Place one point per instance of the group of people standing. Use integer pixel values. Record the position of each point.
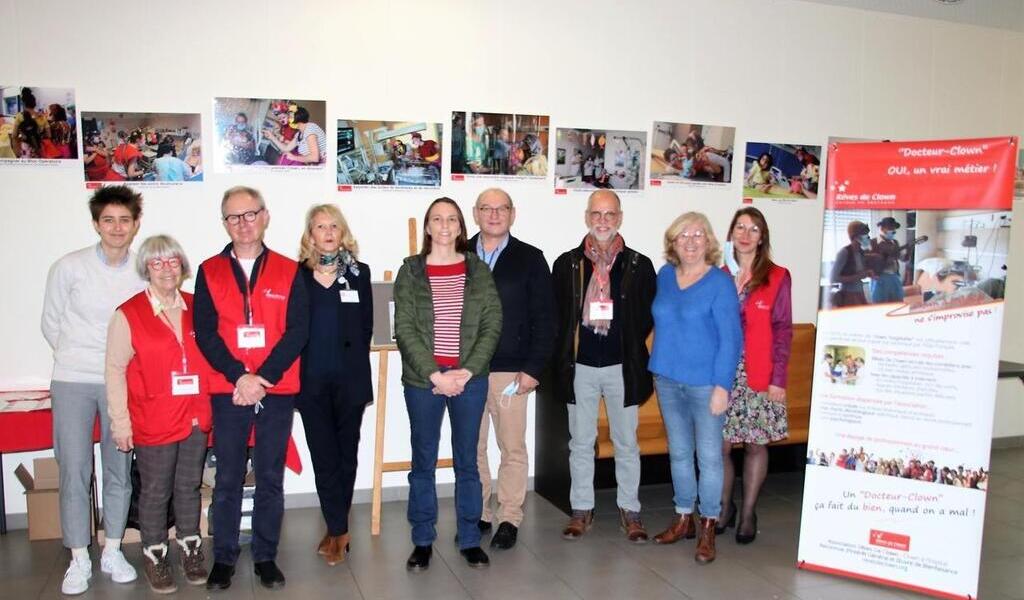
(478, 322)
(37, 132)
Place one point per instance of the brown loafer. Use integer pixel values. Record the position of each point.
(337, 549)
(579, 523)
(706, 544)
(324, 545)
(682, 527)
(633, 527)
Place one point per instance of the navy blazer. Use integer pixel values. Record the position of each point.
(355, 328)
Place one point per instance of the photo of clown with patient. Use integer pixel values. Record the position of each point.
(269, 132)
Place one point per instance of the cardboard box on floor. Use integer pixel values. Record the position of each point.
(42, 497)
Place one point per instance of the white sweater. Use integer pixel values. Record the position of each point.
(82, 292)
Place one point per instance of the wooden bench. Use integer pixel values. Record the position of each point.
(650, 431)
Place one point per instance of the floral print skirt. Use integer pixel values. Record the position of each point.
(751, 417)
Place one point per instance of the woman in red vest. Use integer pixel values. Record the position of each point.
(159, 406)
(757, 405)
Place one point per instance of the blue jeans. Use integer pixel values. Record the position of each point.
(231, 426)
(426, 411)
(887, 287)
(690, 426)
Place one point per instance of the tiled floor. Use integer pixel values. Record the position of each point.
(544, 566)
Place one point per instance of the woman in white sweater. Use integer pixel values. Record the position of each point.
(82, 290)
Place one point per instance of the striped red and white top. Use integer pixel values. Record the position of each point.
(447, 285)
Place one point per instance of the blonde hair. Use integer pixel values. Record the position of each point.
(713, 252)
(308, 254)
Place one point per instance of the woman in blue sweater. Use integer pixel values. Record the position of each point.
(697, 341)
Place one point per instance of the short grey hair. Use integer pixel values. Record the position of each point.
(160, 246)
(494, 190)
(241, 189)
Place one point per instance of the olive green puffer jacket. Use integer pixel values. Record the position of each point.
(414, 320)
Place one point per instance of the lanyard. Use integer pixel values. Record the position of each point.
(181, 340)
(243, 286)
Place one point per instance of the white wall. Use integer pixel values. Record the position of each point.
(783, 70)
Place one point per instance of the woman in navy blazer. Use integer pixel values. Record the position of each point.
(336, 385)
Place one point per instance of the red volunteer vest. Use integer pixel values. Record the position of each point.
(159, 417)
(756, 314)
(269, 303)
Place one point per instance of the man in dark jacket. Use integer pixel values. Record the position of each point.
(604, 293)
(527, 339)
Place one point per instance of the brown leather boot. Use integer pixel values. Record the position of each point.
(337, 549)
(325, 543)
(706, 544)
(681, 528)
(580, 523)
(632, 526)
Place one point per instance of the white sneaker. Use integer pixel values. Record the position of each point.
(114, 564)
(76, 578)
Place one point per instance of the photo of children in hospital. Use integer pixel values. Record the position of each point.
(265, 132)
(38, 123)
(389, 153)
(845, 365)
(916, 260)
(692, 152)
(499, 144)
(781, 171)
(590, 159)
(918, 469)
(141, 147)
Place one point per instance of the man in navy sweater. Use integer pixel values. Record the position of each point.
(527, 339)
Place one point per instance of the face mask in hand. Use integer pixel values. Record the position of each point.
(729, 254)
(507, 393)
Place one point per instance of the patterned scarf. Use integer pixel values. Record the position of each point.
(341, 261)
(599, 288)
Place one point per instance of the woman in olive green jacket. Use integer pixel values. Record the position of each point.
(447, 325)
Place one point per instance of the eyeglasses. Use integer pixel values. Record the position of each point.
(502, 210)
(608, 215)
(741, 228)
(249, 216)
(159, 264)
(696, 237)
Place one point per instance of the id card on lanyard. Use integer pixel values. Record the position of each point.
(603, 308)
(250, 335)
(183, 383)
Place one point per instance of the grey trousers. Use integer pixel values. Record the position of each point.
(169, 471)
(590, 385)
(75, 406)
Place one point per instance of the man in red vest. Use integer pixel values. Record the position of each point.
(251, 322)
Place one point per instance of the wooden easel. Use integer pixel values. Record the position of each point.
(379, 466)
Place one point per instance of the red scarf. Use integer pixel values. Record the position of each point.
(599, 288)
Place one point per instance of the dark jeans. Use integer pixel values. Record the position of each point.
(332, 421)
(231, 427)
(166, 471)
(426, 411)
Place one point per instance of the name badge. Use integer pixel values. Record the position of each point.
(184, 384)
(601, 310)
(349, 296)
(252, 336)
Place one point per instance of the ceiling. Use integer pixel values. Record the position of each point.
(1001, 14)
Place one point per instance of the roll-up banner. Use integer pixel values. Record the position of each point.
(913, 269)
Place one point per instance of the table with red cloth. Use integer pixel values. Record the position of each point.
(29, 431)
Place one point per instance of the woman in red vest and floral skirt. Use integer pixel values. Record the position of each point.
(159, 406)
(757, 405)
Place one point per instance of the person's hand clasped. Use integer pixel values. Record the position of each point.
(719, 400)
(776, 393)
(450, 383)
(250, 389)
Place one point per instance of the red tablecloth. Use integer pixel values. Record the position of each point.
(33, 430)
(30, 431)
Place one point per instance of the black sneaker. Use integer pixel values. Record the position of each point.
(505, 537)
(484, 526)
(476, 557)
(270, 576)
(220, 576)
(419, 560)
